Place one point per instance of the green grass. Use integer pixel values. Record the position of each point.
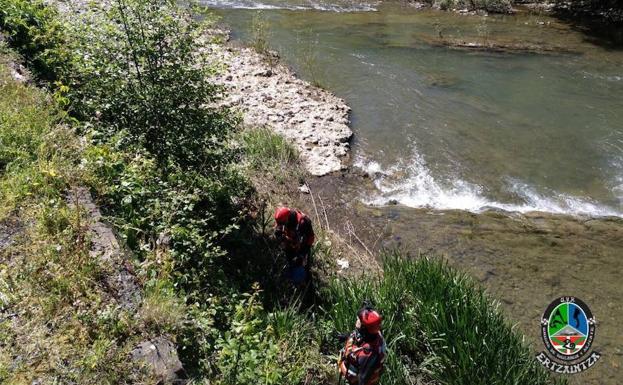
(58, 320)
(438, 324)
(35, 151)
(264, 149)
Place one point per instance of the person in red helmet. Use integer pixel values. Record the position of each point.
(362, 358)
(294, 229)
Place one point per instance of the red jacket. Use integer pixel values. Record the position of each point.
(301, 236)
(361, 362)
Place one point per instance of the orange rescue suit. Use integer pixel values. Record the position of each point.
(362, 361)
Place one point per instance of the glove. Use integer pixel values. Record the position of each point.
(278, 233)
(341, 337)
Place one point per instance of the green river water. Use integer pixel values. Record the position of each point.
(448, 132)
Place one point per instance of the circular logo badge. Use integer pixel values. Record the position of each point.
(567, 328)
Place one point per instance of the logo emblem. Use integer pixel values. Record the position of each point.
(568, 331)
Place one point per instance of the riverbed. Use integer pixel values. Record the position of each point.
(496, 141)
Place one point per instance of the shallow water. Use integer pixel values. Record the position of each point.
(455, 128)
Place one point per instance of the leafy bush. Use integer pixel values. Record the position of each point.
(274, 348)
(143, 67)
(184, 212)
(34, 30)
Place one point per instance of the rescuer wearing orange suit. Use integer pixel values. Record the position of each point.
(294, 229)
(361, 360)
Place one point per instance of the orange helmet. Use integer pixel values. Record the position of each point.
(370, 320)
(281, 215)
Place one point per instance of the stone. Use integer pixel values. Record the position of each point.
(106, 248)
(293, 108)
(343, 264)
(160, 356)
(304, 189)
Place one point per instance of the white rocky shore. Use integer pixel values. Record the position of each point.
(313, 119)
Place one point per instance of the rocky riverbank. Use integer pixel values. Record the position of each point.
(313, 119)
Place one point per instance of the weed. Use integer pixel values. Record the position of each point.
(266, 150)
(36, 32)
(309, 59)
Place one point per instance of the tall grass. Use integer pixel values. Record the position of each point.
(438, 324)
(35, 152)
(266, 150)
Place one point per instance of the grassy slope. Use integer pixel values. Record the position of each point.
(58, 321)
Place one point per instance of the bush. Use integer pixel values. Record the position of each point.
(273, 348)
(34, 30)
(184, 212)
(142, 67)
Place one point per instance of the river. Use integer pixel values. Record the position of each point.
(454, 133)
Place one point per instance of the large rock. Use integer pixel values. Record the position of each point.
(106, 248)
(160, 356)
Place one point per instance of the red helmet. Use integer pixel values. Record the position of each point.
(370, 320)
(281, 215)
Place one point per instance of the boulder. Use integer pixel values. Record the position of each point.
(160, 356)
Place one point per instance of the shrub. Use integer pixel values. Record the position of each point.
(142, 67)
(184, 211)
(34, 30)
(273, 348)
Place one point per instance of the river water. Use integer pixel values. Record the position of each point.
(535, 124)
(462, 129)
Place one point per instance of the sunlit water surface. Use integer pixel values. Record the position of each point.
(455, 128)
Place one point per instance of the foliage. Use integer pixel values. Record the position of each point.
(438, 323)
(35, 31)
(32, 161)
(183, 213)
(142, 67)
(274, 348)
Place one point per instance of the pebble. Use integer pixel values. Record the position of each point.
(304, 189)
